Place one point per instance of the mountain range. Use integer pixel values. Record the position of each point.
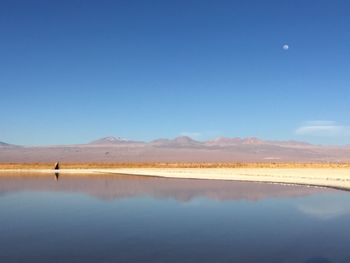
(3, 144)
(179, 149)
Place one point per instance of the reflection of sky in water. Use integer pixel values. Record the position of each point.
(77, 226)
(326, 207)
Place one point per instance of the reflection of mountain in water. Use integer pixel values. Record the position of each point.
(123, 186)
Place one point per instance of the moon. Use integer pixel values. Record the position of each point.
(285, 46)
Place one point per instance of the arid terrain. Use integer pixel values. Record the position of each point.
(326, 175)
(178, 150)
(250, 159)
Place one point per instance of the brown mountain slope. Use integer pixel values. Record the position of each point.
(180, 149)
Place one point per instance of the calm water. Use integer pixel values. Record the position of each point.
(140, 219)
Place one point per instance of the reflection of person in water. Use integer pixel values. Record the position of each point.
(318, 260)
(56, 176)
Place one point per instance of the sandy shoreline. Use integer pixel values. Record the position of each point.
(335, 178)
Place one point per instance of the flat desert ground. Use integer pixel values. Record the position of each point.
(322, 177)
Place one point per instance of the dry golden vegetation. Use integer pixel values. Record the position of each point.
(170, 165)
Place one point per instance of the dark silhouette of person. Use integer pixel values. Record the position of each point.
(57, 168)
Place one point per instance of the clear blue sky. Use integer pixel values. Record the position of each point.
(73, 71)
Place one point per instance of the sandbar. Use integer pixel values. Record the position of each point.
(323, 177)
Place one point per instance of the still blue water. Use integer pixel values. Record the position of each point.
(139, 219)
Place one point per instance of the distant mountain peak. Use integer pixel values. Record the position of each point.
(113, 139)
(184, 139)
(226, 140)
(181, 141)
(252, 140)
(7, 145)
(110, 140)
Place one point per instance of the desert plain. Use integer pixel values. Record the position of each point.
(334, 175)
